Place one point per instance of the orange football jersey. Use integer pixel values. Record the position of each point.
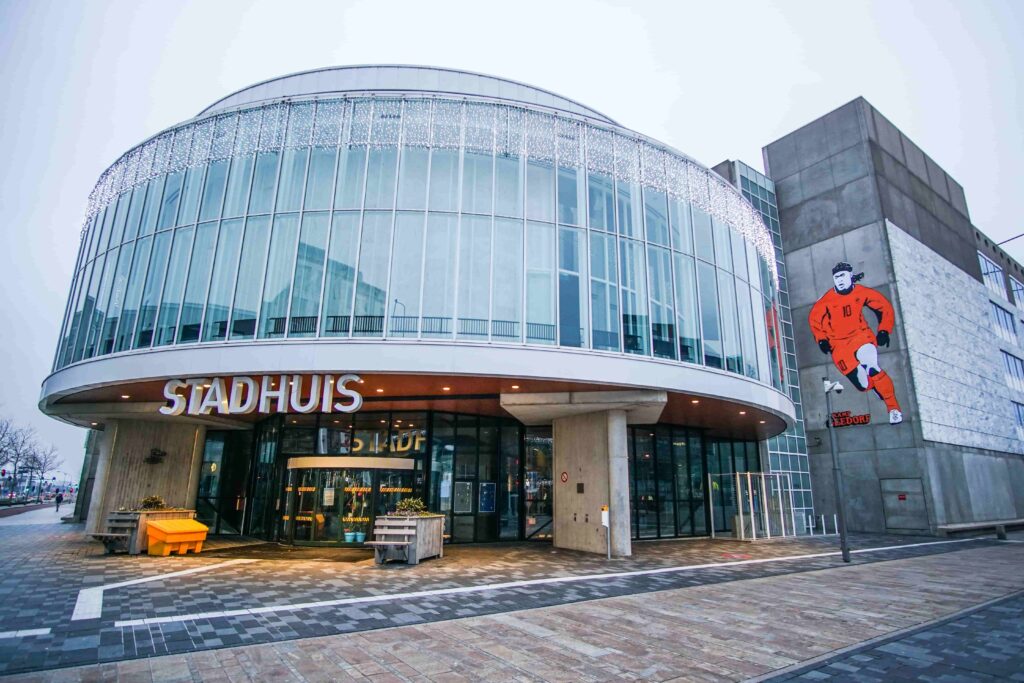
(838, 316)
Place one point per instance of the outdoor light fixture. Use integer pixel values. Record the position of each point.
(743, 412)
(515, 386)
(694, 401)
(446, 388)
(380, 391)
(125, 396)
(830, 388)
(155, 457)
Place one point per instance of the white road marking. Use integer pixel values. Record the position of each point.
(90, 600)
(499, 586)
(24, 632)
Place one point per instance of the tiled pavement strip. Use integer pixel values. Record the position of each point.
(42, 569)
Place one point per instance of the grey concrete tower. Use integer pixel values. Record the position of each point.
(853, 188)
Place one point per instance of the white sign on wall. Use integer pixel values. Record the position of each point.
(267, 394)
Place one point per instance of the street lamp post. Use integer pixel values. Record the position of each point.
(844, 541)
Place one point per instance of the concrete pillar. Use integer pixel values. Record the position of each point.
(96, 520)
(618, 484)
(590, 471)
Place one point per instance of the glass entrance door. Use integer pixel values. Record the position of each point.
(338, 506)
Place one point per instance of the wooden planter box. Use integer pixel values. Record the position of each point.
(139, 540)
(425, 540)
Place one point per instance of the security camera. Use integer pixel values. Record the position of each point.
(832, 386)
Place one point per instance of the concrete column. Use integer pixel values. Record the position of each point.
(590, 455)
(198, 448)
(618, 484)
(96, 521)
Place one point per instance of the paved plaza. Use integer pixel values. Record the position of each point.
(692, 610)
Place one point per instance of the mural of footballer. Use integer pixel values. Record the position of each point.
(838, 325)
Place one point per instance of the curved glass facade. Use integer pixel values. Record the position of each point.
(422, 219)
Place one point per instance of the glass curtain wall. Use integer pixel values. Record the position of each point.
(424, 219)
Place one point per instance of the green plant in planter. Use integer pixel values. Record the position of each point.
(411, 507)
(153, 503)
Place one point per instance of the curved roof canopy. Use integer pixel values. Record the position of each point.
(384, 78)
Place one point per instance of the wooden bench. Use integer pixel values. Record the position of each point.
(394, 539)
(120, 533)
(999, 526)
(409, 539)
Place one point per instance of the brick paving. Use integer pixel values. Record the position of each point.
(713, 632)
(983, 645)
(42, 568)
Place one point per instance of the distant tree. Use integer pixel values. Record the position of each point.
(42, 460)
(21, 445)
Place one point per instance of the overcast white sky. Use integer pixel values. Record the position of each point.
(81, 82)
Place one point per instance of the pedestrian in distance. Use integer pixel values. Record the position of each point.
(59, 499)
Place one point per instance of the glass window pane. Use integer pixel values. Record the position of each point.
(760, 336)
(687, 323)
(309, 275)
(126, 325)
(264, 181)
(746, 322)
(604, 292)
(439, 276)
(293, 179)
(739, 251)
(237, 197)
(771, 316)
(89, 307)
(198, 281)
(444, 180)
(372, 278)
(507, 280)
(702, 235)
(709, 315)
(540, 283)
(508, 185)
(663, 328)
(730, 324)
(571, 195)
(119, 217)
(213, 190)
(635, 320)
(341, 268)
(601, 198)
(169, 206)
(225, 268)
(412, 178)
(278, 282)
(117, 294)
(682, 231)
(723, 250)
(250, 278)
(100, 305)
(656, 216)
(320, 179)
(380, 178)
(100, 233)
(628, 206)
(573, 315)
(151, 291)
(151, 208)
(174, 282)
(540, 191)
(190, 195)
(351, 171)
(131, 226)
(75, 327)
(406, 275)
(477, 182)
(474, 293)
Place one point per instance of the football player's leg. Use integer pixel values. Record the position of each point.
(845, 358)
(880, 381)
